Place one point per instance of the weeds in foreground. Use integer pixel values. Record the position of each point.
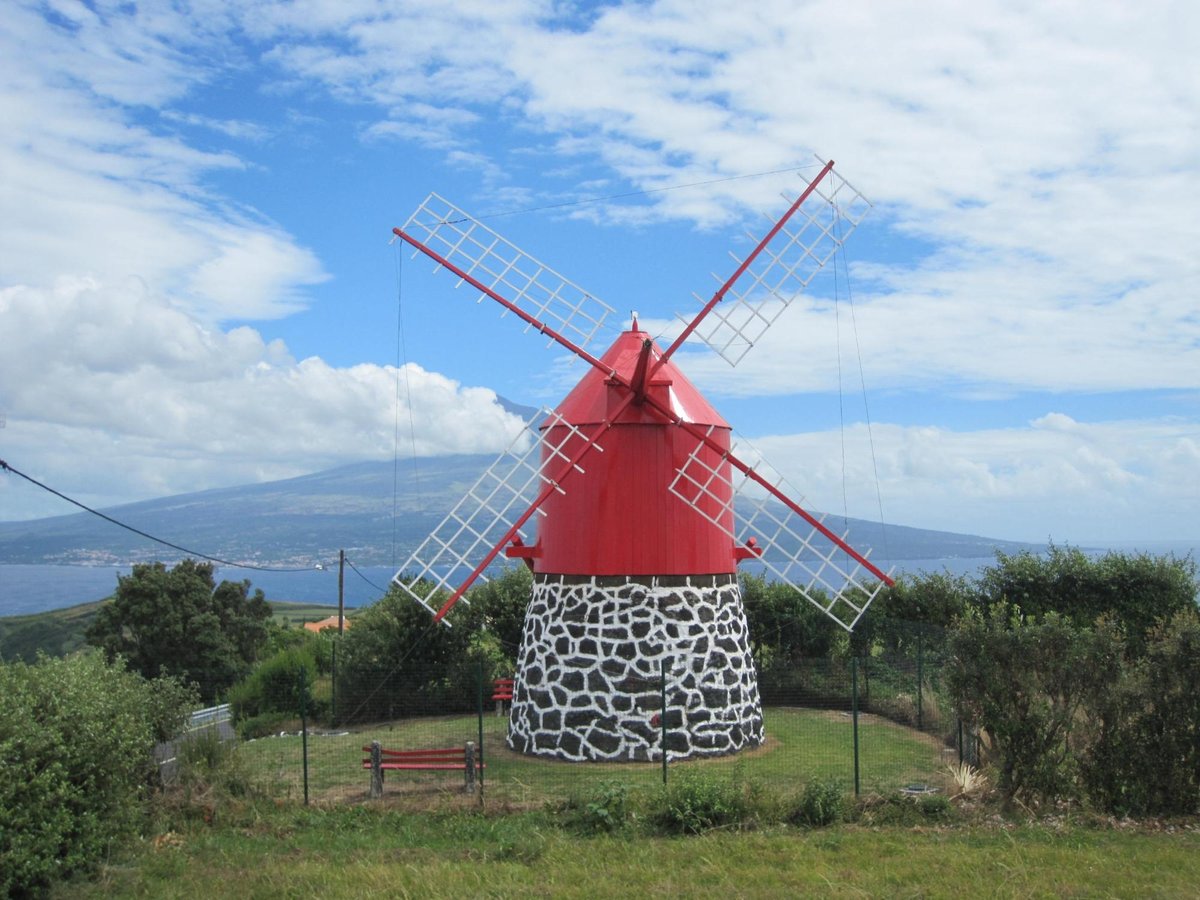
(819, 805)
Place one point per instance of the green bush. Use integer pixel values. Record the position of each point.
(819, 805)
(1027, 684)
(282, 684)
(604, 811)
(1145, 756)
(696, 801)
(76, 737)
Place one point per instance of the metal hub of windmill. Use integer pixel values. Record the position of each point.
(635, 642)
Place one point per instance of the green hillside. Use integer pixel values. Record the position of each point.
(55, 633)
(60, 631)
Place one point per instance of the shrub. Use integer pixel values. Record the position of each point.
(696, 801)
(604, 811)
(282, 684)
(819, 805)
(76, 737)
(1026, 684)
(1145, 758)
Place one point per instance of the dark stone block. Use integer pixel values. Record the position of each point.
(639, 629)
(626, 650)
(705, 613)
(581, 701)
(573, 681)
(596, 683)
(569, 743)
(677, 741)
(614, 668)
(587, 646)
(552, 720)
(543, 741)
(578, 719)
(562, 646)
(717, 661)
(603, 741)
(715, 698)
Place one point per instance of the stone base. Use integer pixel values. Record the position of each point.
(589, 685)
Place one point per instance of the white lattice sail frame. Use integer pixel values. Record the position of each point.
(787, 264)
(488, 510)
(794, 550)
(527, 283)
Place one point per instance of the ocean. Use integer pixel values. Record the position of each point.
(28, 589)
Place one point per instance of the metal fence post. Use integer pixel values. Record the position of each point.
(479, 717)
(920, 680)
(662, 714)
(333, 698)
(854, 715)
(304, 728)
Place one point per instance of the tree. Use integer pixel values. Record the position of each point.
(180, 622)
(396, 662)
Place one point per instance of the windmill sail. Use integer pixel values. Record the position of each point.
(490, 513)
(790, 543)
(504, 272)
(788, 262)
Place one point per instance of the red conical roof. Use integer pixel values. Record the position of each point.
(590, 401)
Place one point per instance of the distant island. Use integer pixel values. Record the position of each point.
(355, 508)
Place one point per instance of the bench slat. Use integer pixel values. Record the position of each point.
(449, 750)
(432, 767)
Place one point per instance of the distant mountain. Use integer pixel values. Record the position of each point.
(361, 508)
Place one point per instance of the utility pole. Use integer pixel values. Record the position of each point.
(341, 592)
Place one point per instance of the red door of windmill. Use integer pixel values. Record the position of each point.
(621, 519)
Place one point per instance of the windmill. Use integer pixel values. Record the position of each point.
(633, 479)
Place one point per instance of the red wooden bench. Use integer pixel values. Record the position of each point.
(463, 759)
(502, 692)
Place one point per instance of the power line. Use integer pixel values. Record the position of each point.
(365, 578)
(95, 512)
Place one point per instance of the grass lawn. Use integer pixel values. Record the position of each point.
(350, 851)
(802, 744)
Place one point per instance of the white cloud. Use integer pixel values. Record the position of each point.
(1055, 478)
(159, 403)
(90, 192)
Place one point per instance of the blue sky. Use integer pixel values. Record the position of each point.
(197, 287)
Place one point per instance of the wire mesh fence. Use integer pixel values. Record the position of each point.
(879, 723)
